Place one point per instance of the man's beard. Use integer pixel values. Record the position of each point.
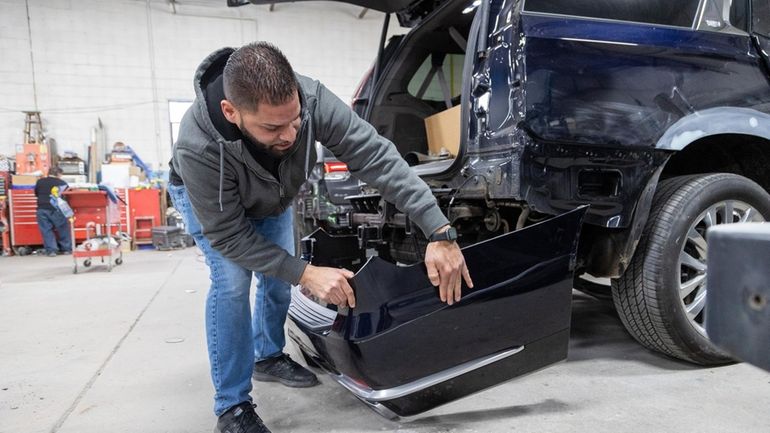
(266, 148)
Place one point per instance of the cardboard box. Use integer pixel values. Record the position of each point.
(136, 176)
(23, 180)
(443, 130)
(135, 171)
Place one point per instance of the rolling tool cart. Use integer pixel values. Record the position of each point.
(101, 217)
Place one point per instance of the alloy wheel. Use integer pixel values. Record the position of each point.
(692, 258)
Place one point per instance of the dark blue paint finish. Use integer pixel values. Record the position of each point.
(684, 39)
(400, 331)
(576, 86)
(622, 95)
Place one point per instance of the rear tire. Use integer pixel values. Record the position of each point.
(661, 296)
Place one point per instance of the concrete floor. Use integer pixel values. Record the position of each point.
(124, 352)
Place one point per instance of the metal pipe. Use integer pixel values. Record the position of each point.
(154, 83)
(31, 56)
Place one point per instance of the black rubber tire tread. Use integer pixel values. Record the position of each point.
(648, 317)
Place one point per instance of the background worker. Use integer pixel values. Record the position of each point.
(50, 220)
(245, 147)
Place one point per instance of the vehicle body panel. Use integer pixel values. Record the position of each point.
(515, 319)
(715, 121)
(580, 96)
(623, 85)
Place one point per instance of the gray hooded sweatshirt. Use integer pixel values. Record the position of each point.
(227, 187)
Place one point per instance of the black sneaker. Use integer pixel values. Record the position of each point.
(283, 369)
(50, 253)
(241, 418)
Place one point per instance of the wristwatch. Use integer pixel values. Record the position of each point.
(446, 235)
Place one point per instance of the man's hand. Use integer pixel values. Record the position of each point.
(446, 268)
(329, 284)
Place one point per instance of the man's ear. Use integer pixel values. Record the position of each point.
(230, 112)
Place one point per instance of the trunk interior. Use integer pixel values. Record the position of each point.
(423, 78)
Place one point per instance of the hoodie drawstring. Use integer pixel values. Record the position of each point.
(309, 143)
(221, 172)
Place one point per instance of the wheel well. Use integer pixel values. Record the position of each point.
(605, 252)
(745, 155)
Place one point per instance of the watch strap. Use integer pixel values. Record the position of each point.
(447, 235)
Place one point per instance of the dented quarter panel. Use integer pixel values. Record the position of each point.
(567, 95)
(623, 85)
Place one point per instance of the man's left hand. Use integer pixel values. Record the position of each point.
(446, 269)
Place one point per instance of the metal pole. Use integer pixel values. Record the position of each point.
(31, 56)
(154, 84)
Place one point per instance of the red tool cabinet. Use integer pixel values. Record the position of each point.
(138, 215)
(23, 206)
(143, 213)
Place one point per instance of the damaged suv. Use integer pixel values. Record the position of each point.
(653, 113)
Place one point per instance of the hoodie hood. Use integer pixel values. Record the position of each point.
(210, 68)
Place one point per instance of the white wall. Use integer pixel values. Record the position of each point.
(121, 61)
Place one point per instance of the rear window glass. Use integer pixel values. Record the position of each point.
(738, 14)
(426, 83)
(760, 11)
(680, 13)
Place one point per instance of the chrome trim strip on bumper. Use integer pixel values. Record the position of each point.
(371, 395)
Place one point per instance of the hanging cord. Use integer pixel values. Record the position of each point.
(462, 185)
(415, 244)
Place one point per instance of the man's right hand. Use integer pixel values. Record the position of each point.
(329, 284)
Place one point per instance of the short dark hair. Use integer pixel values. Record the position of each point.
(55, 171)
(258, 72)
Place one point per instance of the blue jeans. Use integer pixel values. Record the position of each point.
(47, 221)
(236, 337)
